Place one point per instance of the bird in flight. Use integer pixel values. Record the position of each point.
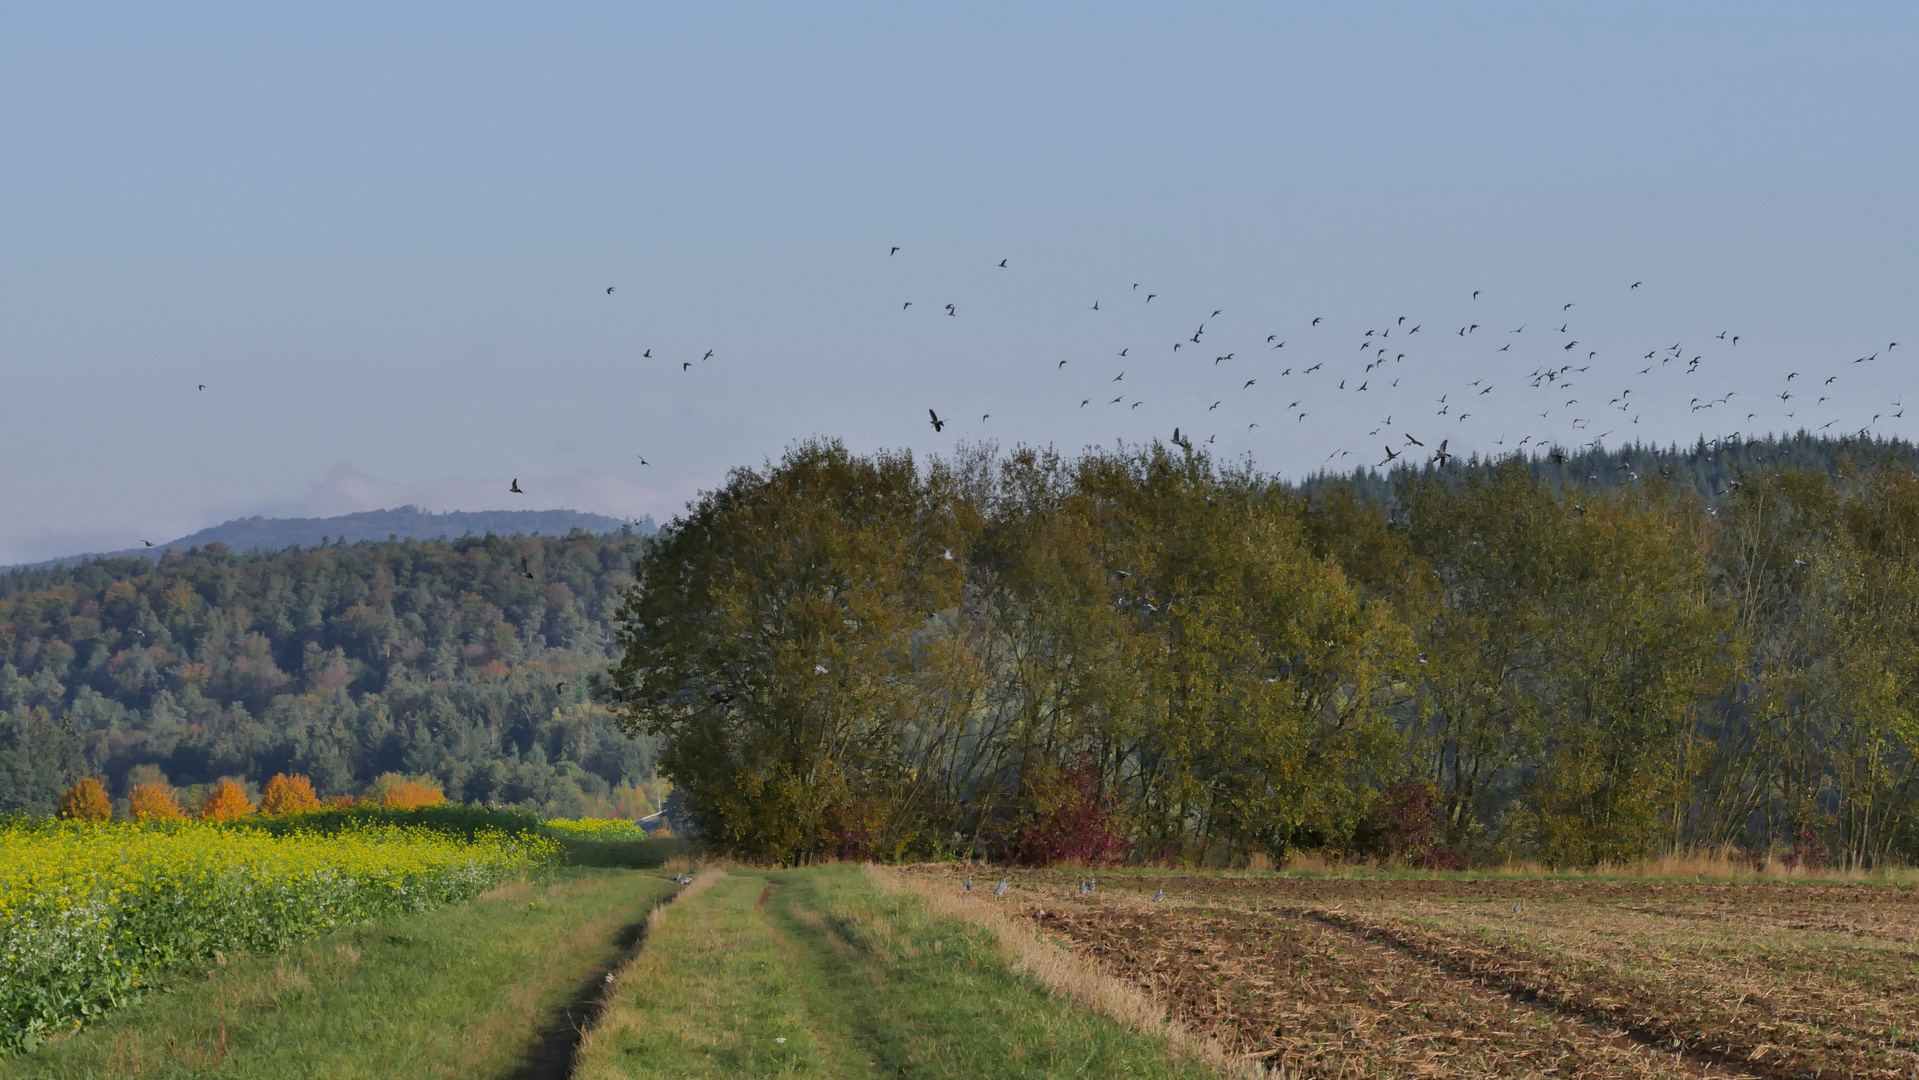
(1002, 264)
(708, 356)
(609, 290)
(647, 355)
(148, 543)
(643, 460)
(938, 424)
(1062, 364)
(203, 386)
(1249, 382)
(687, 366)
(1637, 284)
(1315, 322)
(525, 568)
(895, 251)
(514, 487)
(906, 305)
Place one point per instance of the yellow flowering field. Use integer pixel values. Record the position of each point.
(90, 913)
(596, 829)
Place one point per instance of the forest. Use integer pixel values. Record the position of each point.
(465, 662)
(1148, 654)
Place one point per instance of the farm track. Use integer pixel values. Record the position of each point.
(1499, 977)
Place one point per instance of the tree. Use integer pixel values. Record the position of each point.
(286, 794)
(154, 800)
(228, 801)
(86, 800)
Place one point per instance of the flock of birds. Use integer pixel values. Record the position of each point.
(1420, 388)
(1576, 394)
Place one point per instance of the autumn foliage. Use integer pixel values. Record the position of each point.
(288, 795)
(228, 801)
(404, 792)
(154, 800)
(86, 800)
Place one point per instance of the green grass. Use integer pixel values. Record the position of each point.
(857, 981)
(473, 991)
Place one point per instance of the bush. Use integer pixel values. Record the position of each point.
(465, 822)
(86, 800)
(1404, 827)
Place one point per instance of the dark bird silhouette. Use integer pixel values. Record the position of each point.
(1062, 364)
(647, 355)
(1249, 382)
(1119, 376)
(906, 305)
(525, 569)
(1002, 264)
(984, 417)
(895, 251)
(203, 386)
(1315, 322)
(1414, 441)
(708, 356)
(686, 366)
(609, 290)
(148, 543)
(1475, 294)
(938, 424)
(1637, 284)
(950, 311)
(1149, 297)
(514, 487)
(643, 460)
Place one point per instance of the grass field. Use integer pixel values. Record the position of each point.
(1452, 976)
(823, 973)
(482, 990)
(845, 971)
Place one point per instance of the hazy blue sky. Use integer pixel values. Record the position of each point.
(381, 236)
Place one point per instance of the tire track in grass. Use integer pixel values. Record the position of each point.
(557, 1045)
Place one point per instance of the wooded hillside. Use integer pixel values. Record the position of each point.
(465, 660)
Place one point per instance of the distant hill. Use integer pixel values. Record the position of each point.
(403, 522)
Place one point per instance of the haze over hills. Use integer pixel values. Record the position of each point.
(404, 522)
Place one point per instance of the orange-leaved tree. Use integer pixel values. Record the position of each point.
(405, 792)
(154, 800)
(86, 800)
(288, 795)
(228, 801)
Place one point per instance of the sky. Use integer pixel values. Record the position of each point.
(381, 237)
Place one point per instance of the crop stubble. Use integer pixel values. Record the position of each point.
(1442, 977)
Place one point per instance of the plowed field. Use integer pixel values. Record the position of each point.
(1377, 977)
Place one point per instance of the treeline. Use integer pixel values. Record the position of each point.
(1151, 654)
(466, 662)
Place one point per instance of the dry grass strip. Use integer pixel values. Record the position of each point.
(1067, 974)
